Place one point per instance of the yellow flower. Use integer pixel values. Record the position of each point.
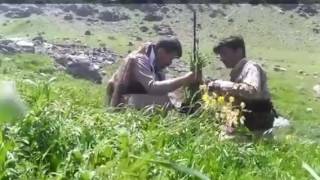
(231, 99)
(242, 105)
(221, 100)
(242, 118)
(206, 97)
(203, 87)
(214, 95)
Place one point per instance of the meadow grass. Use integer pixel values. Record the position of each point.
(68, 133)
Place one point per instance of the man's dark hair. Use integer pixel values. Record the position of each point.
(170, 44)
(233, 42)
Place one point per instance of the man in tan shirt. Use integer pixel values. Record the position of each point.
(248, 83)
(141, 82)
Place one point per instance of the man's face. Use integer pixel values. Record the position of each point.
(165, 58)
(230, 57)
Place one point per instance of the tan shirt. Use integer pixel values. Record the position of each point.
(157, 91)
(248, 81)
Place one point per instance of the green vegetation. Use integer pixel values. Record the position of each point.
(69, 134)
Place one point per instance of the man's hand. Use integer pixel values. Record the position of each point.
(214, 85)
(192, 77)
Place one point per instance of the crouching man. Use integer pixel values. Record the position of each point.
(141, 82)
(248, 84)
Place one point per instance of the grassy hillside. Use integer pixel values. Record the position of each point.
(69, 134)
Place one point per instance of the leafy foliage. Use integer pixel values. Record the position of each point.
(67, 134)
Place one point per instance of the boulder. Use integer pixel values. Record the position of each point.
(153, 17)
(112, 16)
(144, 29)
(68, 17)
(26, 46)
(85, 10)
(163, 29)
(87, 33)
(316, 89)
(278, 69)
(17, 13)
(84, 69)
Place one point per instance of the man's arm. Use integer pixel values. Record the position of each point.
(249, 86)
(144, 75)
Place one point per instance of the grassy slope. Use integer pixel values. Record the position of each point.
(82, 140)
(268, 37)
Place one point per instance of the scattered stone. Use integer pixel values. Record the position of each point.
(153, 17)
(17, 13)
(144, 29)
(87, 33)
(230, 20)
(68, 17)
(147, 7)
(130, 44)
(215, 13)
(23, 12)
(92, 20)
(309, 109)
(26, 46)
(138, 38)
(164, 10)
(278, 69)
(69, 8)
(163, 29)
(111, 38)
(85, 10)
(84, 69)
(316, 89)
(306, 10)
(301, 71)
(112, 16)
(316, 30)
(250, 20)
(38, 39)
(4, 8)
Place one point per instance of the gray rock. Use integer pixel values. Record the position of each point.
(164, 10)
(4, 8)
(216, 13)
(163, 29)
(85, 10)
(7, 49)
(17, 13)
(278, 69)
(316, 89)
(112, 16)
(87, 33)
(26, 46)
(68, 17)
(153, 17)
(144, 29)
(84, 69)
(23, 12)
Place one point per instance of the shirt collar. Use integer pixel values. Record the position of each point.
(238, 68)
